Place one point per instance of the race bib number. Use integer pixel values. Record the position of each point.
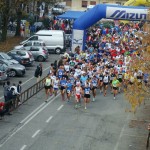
(68, 91)
(87, 92)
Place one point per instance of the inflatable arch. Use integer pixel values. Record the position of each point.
(104, 11)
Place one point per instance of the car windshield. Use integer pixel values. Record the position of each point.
(21, 53)
(6, 56)
(7, 62)
(3, 67)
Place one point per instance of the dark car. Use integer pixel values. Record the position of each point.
(13, 69)
(23, 57)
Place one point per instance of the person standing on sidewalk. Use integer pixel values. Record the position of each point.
(19, 90)
(38, 72)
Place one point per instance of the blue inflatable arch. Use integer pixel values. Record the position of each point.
(104, 11)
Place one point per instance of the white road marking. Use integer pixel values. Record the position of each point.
(49, 119)
(23, 147)
(35, 134)
(41, 109)
(33, 112)
(59, 108)
(28, 80)
(121, 133)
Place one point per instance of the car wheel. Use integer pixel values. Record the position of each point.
(57, 50)
(40, 58)
(13, 73)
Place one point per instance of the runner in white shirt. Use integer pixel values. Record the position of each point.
(56, 85)
(67, 67)
(78, 92)
(105, 83)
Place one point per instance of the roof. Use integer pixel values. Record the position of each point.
(71, 15)
(48, 32)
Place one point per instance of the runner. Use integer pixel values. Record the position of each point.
(68, 89)
(47, 86)
(78, 92)
(62, 88)
(56, 85)
(60, 72)
(101, 76)
(112, 75)
(94, 84)
(105, 83)
(120, 78)
(115, 85)
(87, 91)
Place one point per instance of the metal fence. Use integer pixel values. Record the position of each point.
(34, 89)
(27, 94)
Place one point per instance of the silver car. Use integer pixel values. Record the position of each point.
(3, 73)
(4, 56)
(13, 69)
(39, 53)
(28, 44)
(24, 57)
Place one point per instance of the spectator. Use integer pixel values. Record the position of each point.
(19, 87)
(6, 87)
(2, 110)
(19, 90)
(8, 101)
(38, 72)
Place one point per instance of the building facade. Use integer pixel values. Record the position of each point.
(83, 4)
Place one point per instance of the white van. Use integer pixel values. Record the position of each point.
(54, 40)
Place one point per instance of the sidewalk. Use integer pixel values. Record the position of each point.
(135, 132)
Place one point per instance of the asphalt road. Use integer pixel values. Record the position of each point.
(29, 79)
(56, 125)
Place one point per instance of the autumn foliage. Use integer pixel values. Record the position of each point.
(139, 92)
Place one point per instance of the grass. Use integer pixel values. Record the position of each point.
(10, 43)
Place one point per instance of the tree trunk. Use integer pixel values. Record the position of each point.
(4, 28)
(19, 14)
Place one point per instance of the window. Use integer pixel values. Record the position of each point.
(92, 2)
(34, 49)
(21, 53)
(28, 44)
(84, 3)
(1, 57)
(33, 38)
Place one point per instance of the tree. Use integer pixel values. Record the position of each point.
(140, 90)
(5, 12)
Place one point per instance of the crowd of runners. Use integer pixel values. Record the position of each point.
(100, 68)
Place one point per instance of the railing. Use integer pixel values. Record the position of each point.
(27, 94)
(34, 89)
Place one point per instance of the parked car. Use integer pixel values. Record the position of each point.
(24, 57)
(3, 73)
(4, 56)
(13, 69)
(29, 44)
(54, 40)
(39, 53)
